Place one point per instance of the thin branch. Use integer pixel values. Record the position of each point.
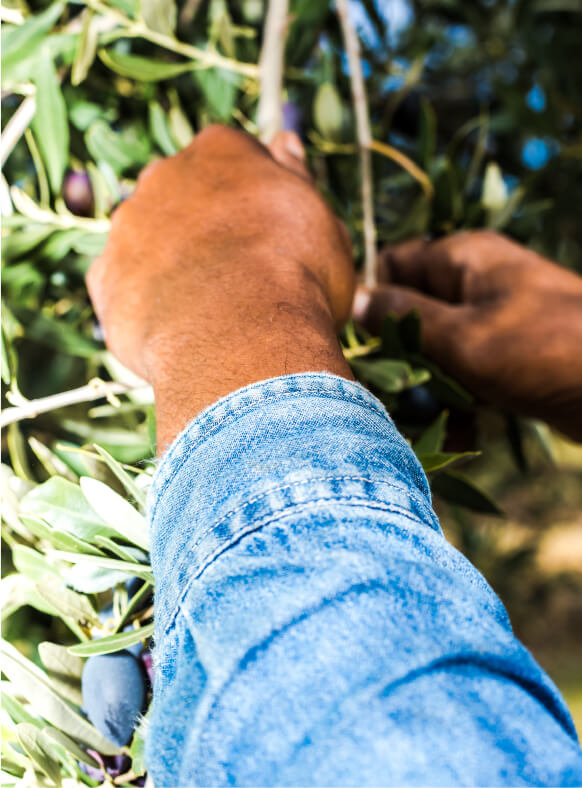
(364, 139)
(95, 389)
(270, 111)
(207, 58)
(407, 164)
(16, 127)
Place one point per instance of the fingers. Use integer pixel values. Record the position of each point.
(441, 322)
(451, 268)
(433, 267)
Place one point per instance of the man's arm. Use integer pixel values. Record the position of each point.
(313, 627)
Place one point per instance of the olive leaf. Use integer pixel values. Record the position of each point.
(63, 505)
(86, 48)
(390, 375)
(50, 123)
(433, 438)
(30, 738)
(120, 515)
(436, 461)
(112, 643)
(159, 15)
(53, 736)
(124, 477)
(68, 603)
(458, 489)
(36, 687)
(142, 68)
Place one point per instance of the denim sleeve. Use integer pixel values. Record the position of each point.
(314, 627)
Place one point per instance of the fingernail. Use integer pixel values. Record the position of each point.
(294, 146)
(361, 302)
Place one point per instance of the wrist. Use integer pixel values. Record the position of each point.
(247, 329)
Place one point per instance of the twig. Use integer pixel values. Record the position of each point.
(364, 139)
(407, 164)
(270, 112)
(95, 389)
(207, 58)
(16, 127)
(27, 207)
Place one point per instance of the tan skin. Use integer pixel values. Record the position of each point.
(498, 317)
(226, 267)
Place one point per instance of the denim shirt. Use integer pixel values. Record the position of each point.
(313, 625)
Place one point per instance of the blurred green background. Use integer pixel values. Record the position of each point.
(484, 97)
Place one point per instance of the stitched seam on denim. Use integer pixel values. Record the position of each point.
(215, 426)
(284, 512)
(315, 480)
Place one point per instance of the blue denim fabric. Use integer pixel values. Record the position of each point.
(313, 626)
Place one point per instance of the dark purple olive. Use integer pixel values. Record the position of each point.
(78, 194)
(292, 120)
(114, 694)
(418, 405)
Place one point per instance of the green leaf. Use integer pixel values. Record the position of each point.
(30, 739)
(68, 603)
(116, 512)
(159, 15)
(160, 129)
(64, 669)
(21, 242)
(57, 659)
(93, 579)
(124, 477)
(59, 539)
(436, 461)
(219, 88)
(390, 375)
(64, 506)
(20, 590)
(60, 335)
(142, 68)
(32, 563)
(138, 570)
(458, 489)
(19, 40)
(108, 645)
(35, 686)
(137, 748)
(433, 438)
(120, 150)
(130, 554)
(15, 709)
(50, 123)
(53, 736)
(86, 48)
(328, 113)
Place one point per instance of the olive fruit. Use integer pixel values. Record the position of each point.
(114, 694)
(78, 194)
(418, 405)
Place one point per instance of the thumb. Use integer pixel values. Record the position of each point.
(288, 151)
(440, 320)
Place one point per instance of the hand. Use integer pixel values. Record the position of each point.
(501, 319)
(224, 267)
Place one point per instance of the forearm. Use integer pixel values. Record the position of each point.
(312, 624)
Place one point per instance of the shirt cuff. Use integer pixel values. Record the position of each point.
(264, 450)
